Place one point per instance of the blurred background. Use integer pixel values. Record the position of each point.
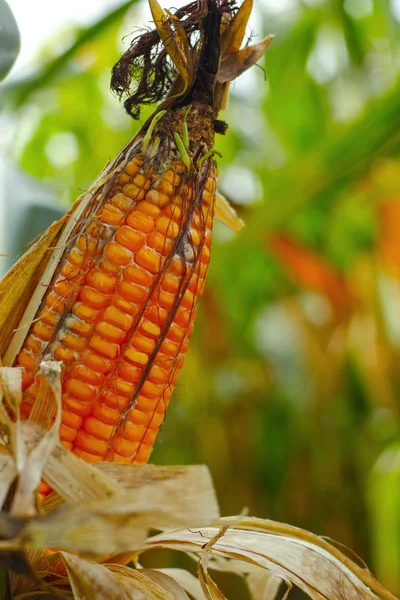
(291, 390)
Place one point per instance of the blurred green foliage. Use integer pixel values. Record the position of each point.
(290, 391)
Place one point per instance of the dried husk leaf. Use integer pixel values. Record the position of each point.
(263, 586)
(307, 565)
(91, 581)
(24, 500)
(170, 41)
(234, 35)
(23, 287)
(234, 65)
(187, 581)
(226, 214)
(273, 527)
(74, 480)
(18, 285)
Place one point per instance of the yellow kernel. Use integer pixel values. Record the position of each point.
(157, 198)
(150, 209)
(135, 357)
(97, 428)
(94, 362)
(170, 283)
(194, 237)
(49, 317)
(140, 221)
(94, 298)
(131, 168)
(78, 407)
(163, 186)
(205, 255)
(117, 253)
(118, 318)
(178, 266)
(121, 387)
(86, 244)
(109, 267)
(169, 348)
(85, 312)
(151, 390)
(73, 342)
(124, 447)
(124, 178)
(103, 282)
(42, 331)
(83, 373)
(106, 414)
(132, 292)
(64, 354)
(156, 314)
(112, 215)
(150, 328)
(33, 343)
(167, 227)
(149, 259)
(79, 389)
(130, 238)
(129, 373)
(103, 347)
(160, 243)
(133, 191)
(172, 178)
(173, 211)
(142, 343)
(110, 332)
(176, 333)
(26, 359)
(88, 456)
(166, 299)
(64, 288)
(138, 275)
(142, 182)
(88, 443)
(124, 305)
(67, 434)
(122, 202)
(71, 419)
(78, 326)
(69, 271)
(188, 300)
(158, 375)
(76, 257)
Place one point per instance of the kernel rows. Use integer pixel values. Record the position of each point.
(106, 310)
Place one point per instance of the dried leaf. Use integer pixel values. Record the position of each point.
(74, 480)
(24, 500)
(18, 285)
(226, 214)
(169, 40)
(233, 65)
(90, 581)
(307, 565)
(263, 586)
(187, 581)
(8, 473)
(234, 34)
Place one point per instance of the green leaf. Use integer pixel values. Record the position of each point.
(9, 39)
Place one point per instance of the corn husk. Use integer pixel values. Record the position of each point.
(105, 513)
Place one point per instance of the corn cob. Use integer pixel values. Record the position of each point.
(120, 307)
(120, 311)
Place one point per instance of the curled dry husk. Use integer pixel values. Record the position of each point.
(100, 516)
